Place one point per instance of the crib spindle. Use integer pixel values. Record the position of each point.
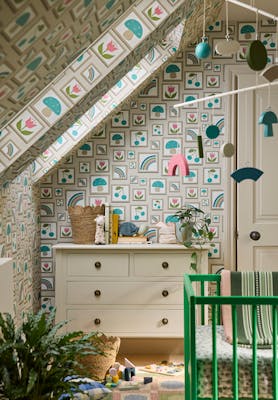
(202, 306)
(214, 355)
(275, 355)
(254, 353)
(235, 361)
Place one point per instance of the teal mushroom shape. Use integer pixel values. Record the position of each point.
(52, 105)
(157, 185)
(45, 249)
(117, 211)
(267, 118)
(171, 218)
(117, 138)
(157, 110)
(133, 28)
(85, 148)
(172, 145)
(247, 30)
(99, 183)
(189, 98)
(172, 69)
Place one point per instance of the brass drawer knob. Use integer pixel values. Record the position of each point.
(165, 293)
(97, 321)
(165, 265)
(98, 264)
(97, 293)
(164, 321)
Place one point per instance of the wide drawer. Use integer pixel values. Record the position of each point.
(97, 264)
(98, 293)
(167, 264)
(136, 323)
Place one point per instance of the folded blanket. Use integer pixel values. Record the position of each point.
(257, 283)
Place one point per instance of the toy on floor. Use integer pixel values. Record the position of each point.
(99, 235)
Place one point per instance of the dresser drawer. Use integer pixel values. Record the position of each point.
(97, 265)
(136, 323)
(161, 264)
(99, 293)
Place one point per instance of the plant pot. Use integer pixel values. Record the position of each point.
(183, 234)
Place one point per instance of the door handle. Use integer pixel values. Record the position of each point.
(254, 235)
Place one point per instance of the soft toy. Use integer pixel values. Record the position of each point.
(167, 232)
(128, 229)
(99, 235)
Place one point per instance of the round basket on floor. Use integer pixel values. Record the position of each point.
(96, 366)
(83, 223)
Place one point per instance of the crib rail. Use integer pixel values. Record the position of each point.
(191, 301)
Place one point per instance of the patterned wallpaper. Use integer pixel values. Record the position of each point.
(91, 76)
(20, 235)
(39, 38)
(125, 162)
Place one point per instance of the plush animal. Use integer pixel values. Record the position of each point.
(128, 229)
(99, 235)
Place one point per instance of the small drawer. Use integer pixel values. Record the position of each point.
(104, 293)
(167, 264)
(97, 265)
(128, 323)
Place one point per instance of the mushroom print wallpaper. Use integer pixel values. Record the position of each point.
(121, 160)
(125, 163)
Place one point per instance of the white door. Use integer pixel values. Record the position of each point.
(257, 201)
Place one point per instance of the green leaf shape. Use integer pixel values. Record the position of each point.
(107, 56)
(19, 125)
(24, 132)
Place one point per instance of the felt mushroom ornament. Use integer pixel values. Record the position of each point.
(267, 118)
(203, 50)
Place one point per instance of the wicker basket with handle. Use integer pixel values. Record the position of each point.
(83, 222)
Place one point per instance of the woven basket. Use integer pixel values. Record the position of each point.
(96, 366)
(83, 223)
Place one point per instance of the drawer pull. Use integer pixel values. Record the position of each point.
(98, 264)
(164, 321)
(97, 293)
(97, 321)
(165, 265)
(165, 293)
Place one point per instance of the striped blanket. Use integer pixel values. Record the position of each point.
(249, 284)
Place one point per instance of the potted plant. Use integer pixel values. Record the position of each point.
(35, 359)
(192, 227)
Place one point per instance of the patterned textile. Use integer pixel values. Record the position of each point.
(249, 284)
(92, 390)
(225, 362)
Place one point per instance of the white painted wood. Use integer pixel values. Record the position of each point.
(131, 303)
(257, 202)
(6, 286)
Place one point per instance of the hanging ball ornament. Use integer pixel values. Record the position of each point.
(227, 150)
(203, 50)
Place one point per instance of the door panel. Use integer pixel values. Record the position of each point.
(257, 201)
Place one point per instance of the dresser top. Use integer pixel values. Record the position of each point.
(4, 261)
(128, 246)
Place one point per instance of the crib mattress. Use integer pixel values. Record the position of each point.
(224, 355)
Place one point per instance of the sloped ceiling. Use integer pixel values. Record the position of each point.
(39, 38)
(20, 145)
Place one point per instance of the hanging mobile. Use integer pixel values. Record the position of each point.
(203, 50)
(267, 118)
(227, 47)
(212, 130)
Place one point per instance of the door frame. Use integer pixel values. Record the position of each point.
(230, 164)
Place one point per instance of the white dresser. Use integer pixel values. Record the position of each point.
(124, 290)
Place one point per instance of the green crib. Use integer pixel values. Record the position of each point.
(215, 369)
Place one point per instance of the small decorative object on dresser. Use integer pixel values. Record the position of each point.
(99, 235)
(83, 222)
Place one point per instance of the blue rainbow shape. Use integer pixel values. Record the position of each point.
(151, 234)
(242, 174)
(46, 210)
(150, 56)
(121, 174)
(148, 88)
(75, 199)
(193, 58)
(220, 124)
(147, 162)
(175, 186)
(46, 285)
(191, 133)
(219, 201)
